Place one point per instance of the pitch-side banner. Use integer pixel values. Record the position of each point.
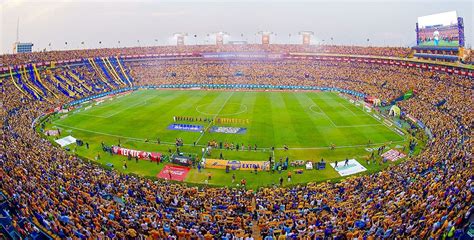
(176, 173)
(153, 156)
(237, 165)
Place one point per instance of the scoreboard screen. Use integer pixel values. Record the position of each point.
(440, 29)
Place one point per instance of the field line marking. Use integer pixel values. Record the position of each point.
(120, 136)
(90, 115)
(353, 113)
(391, 129)
(361, 125)
(327, 117)
(346, 100)
(311, 109)
(345, 126)
(198, 145)
(131, 106)
(346, 146)
(214, 118)
(105, 104)
(338, 97)
(230, 114)
(111, 100)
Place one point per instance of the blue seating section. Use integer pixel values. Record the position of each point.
(437, 56)
(6, 224)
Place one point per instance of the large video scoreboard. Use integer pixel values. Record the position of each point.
(441, 29)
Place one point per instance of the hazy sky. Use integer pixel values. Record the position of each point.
(154, 22)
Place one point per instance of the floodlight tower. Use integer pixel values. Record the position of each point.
(265, 37)
(220, 38)
(20, 47)
(306, 37)
(180, 38)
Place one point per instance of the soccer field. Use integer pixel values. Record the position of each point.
(442, 43)
(307, 122)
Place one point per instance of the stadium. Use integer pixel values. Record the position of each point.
(238, 141)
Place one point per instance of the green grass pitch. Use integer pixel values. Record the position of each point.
(441, 43)
(308, 122)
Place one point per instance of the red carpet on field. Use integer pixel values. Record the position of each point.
(178, 173)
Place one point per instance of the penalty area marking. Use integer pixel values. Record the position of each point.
(312, 110)
(324, 114)
(340, 126)
(81, 111)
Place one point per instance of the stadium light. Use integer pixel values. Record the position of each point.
(306, 36)
(219, 36)
(179, 36)
(265, 36)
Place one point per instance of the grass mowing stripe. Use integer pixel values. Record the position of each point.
(298, 115)
(263, 120)
(234, 108)
(282, 119)
(180, 107)
(249, 101)
(318, 122)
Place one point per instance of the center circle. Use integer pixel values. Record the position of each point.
(200, 109)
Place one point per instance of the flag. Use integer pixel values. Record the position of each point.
(408, 94)
(440, 103)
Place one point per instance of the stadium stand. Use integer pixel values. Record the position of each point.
(448, 54)
(49, 192)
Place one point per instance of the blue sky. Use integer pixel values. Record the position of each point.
(144, 23)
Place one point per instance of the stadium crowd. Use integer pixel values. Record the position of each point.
(428, 196)
(47, 56)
